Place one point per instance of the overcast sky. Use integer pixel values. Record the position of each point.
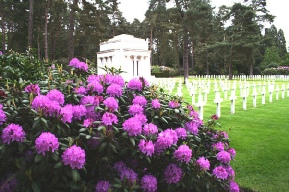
(136, 9)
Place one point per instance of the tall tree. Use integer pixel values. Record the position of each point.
(2, 9)
(73, 8)
(30, 23)
(47, 4)
(281, 43)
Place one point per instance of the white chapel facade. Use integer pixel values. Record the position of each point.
(127, 52)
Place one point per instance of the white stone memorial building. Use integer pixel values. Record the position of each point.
(127, 52)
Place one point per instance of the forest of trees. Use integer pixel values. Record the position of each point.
(192, 35)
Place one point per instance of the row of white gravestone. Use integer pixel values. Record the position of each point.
(244, 77)
(202, 89)
(199, 90)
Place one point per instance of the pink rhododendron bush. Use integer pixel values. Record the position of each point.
(78, 131)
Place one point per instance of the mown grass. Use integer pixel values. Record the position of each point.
(260, 136)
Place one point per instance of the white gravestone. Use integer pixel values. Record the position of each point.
(200, 106)
(218, 100)
(233, 98)
(254, 96)
(283, 91)
(263, 94)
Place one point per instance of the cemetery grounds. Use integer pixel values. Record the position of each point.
(259, 131)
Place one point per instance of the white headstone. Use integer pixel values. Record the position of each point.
(254, 96)
(233, 98)
(218, 100)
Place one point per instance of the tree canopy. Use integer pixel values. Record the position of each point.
(191, 36)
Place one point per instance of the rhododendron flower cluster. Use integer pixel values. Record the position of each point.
(149, 183)
(46, 142)
(173, 173)
(74, 156)
(78, 64)
(183, 153)
(34, 89)
(13, 132)
(203, 163)
(102, 186)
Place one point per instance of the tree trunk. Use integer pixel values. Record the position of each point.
(230, 64)
(207, 63)
(30, 24)
(45, 32)
(38, 44)
(151, 45)
(3, 26)
(193, 56)
(186, 55)
(251, 61)
(71, 31)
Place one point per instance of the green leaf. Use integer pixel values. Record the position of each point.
(75, 175)
(113, 147)
(38, 158)
(132, 141)
(101, 128)
(35, 187)
(87, 137)
(116, 185)
(102, 146)
(164, 120)
(148, 159)
(82, 130)
(36, 124)
(58, 165)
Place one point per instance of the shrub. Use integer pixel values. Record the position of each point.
(83, 132)
(281, 70)
(163, 71)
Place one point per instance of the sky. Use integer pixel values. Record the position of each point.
(136, 9)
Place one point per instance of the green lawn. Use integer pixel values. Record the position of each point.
(260, 136)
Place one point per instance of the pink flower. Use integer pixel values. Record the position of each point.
(203, 163)
(174, 104)
(13, 132)
(173, 173)
(111, 103)
(109, 118)
(34, 89)
(224, 156)
(156, 104)
(219, 146)
(232, 151)
(133, 126)
(183, 153)
(102, 186)
(149, 183)
(56, 95)
(146, 147)
(46, 142)
(74, 156)
(182, 133)
(135, 109)
(165, 139)
(220, 172)
(135, 84)
(150, 129)
(234, 187)
(140, 100)
(114, 90)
